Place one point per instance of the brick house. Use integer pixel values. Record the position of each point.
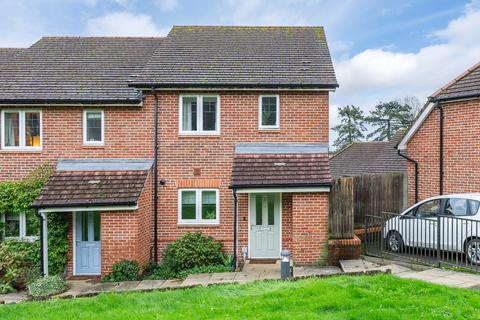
(222, 130)
(443, 142)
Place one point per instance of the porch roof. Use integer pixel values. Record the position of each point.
(281, 165)
(91, 188)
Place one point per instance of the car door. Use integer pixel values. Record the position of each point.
(424, 225)
(456, 225)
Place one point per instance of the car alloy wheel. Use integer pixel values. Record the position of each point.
(473, 251)
(395, 242)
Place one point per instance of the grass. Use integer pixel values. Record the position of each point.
(366, 297)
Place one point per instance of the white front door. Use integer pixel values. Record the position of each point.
(88, 259)
(264, 225)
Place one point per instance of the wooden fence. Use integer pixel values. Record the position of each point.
(351, 198)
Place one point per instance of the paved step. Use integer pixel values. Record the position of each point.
(358, 265)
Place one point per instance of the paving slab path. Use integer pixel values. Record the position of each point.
(433, 275)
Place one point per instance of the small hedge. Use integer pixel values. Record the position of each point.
(190, 254)
(45, 287)
(192, 250)
(125, 270)
(19, 264)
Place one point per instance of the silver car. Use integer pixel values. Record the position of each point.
(447, 223)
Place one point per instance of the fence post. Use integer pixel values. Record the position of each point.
(365, 235)
(438, 240)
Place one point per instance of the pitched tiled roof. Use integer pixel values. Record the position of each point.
(76, 69)
(218, 56)
(372, 157)
(465, 86)
(91, 188)
(276, 170)
(6, 54)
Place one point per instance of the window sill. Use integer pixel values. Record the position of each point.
(21, 150)
(93, 146)
(198, 225)
(198, 135)
(269, 130)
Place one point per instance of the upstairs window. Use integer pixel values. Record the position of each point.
(199, 114)
(198, 206)
(21, 129)
(269, 112)
(93, 127)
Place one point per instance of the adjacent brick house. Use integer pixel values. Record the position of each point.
(241, 116)
(443, 142)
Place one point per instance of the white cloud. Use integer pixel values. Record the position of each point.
(375, 75)
(123, 24)
(167, 5)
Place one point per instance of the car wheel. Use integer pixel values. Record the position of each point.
(472, 249)
(395, 242)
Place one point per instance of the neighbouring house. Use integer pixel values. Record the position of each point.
(443, 144)
(222, 130)
(368, 157)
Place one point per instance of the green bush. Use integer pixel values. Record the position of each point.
(162, 272)
(190, 254)
(19, 264)
(45, 287)
(192, 250)
(204, 269)
(125, 270)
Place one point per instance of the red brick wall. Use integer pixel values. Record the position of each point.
(127, 135)
(303, 118)
(461, 151)
(309, 228)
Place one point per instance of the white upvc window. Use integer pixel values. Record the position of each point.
(198, 206)
(93, 127)
(199, 114)
(21, 129)
(19, 226)
(269, 111)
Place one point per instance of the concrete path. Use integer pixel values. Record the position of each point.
(433, 275)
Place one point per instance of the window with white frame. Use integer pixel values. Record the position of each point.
(198, 206)
(21, 129)
(199, 114)
(93, 127)
(269, 112)
(19, 226)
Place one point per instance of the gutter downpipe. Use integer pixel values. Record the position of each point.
(235, 228)
(415, 162)
(155, 177)
(42, 267)
(441, 173)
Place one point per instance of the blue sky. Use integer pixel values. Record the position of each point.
(382, 49)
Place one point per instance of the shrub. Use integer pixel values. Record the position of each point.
(124, 270)
(19, 264)
(204, 269)
(192, 250)
(192, 253)
(45, 287)
(162, 272)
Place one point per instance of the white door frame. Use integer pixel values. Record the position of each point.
(279, 221)
(74, 244)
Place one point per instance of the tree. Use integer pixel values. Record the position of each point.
(351, 127)
(388, 117)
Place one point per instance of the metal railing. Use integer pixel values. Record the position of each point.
(435, 241)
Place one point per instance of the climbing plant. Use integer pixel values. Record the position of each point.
(17, 197)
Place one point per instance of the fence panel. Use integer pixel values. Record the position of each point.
(341, 209)
(351, 198)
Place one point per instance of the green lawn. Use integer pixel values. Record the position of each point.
(343, 297)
